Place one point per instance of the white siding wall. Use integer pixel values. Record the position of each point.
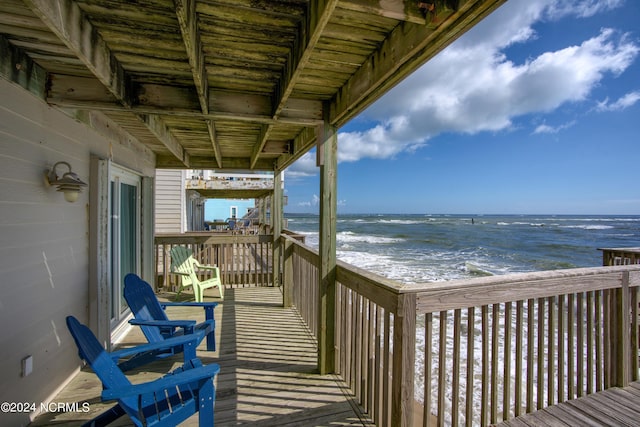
(44, 243)
(170, 199)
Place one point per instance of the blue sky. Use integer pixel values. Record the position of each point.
(535, 110)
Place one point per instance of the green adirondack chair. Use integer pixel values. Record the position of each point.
(184, 264)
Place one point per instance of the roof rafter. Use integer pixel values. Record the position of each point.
(262, 140)
(188, 20)
(156, 126)
(318, 18)
(67, 21)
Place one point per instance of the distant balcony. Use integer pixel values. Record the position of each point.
(227, 185)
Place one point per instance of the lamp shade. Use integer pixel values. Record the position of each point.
(70, 184)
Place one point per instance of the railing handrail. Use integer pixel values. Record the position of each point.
(476, 292)
(488, 288)
(208, 237)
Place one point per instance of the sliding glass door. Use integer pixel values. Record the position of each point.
(124, 236)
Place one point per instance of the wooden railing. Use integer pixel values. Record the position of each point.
(532, 339)
(244, 260)
(536, 339)
(620, 256)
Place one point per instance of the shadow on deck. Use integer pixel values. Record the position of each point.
(268, 374)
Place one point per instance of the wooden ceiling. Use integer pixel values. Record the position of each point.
(224, 84)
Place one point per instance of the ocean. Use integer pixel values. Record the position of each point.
(416, 249)
(425, 248)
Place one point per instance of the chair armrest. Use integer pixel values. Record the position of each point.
(208, 267)
(168, 343)
(205, 266)
(189, 304)
(164, 323)
(172, 380)
(208, 306)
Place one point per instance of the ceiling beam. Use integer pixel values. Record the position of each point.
(427, 12)
(215, 145)
(262, 140)
(156, 126)
(395, 9)
(400, 54)
(67, 21)
(186, 13)
(201, 162)
(78, 92)
(188, 20)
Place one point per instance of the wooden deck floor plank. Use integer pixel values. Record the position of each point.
(612, 407)
(268, 374)
(572, 413)
(624, 398)
(601, 414)
(634, 389)
(567, 417)
(543, 419)
(514, 422)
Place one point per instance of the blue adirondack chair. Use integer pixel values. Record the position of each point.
(166, 401)
(149, 314)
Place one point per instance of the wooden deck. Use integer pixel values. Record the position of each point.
(268, 370)
(611, 407)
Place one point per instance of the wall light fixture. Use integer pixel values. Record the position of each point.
(70, 183)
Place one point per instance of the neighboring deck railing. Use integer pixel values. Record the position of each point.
(534, 339)
(244, 260)
(620, 256)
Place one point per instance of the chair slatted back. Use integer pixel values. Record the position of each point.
(182, 261)
(144, 305)
(91, 351)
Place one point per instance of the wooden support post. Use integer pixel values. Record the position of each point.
(99, 268)
(287, 274)
(621, 351)
(404, 347)
(268, 200)
(276, 219)
(327, 147)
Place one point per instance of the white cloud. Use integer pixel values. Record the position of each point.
(313, 202)
(472, 86)
(622, 103)
(303, 167)
(544, 128)
(582, 8)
